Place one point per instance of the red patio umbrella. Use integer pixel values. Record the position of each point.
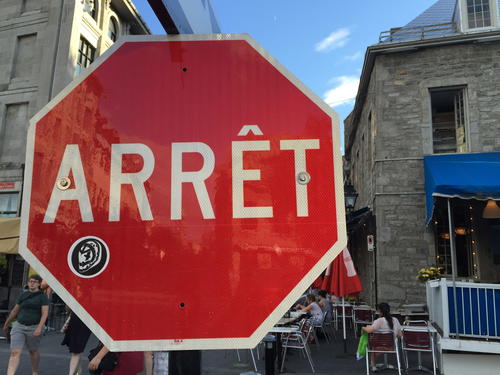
(345, 281)
(342, 280)
(318, 282)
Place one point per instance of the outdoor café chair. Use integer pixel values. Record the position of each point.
(416, 323)
(418, 338)
(329, 321)
(320, 327)
(251, 355)
(299, 341)
(363, 316)
(383, 343)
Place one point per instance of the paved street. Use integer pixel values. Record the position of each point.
(328, 359)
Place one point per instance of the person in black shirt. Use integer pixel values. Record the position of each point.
(31, 310)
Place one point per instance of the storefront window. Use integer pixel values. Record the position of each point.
(9, 203)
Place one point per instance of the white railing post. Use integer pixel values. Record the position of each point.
(444, 303)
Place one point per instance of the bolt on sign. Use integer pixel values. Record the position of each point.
(183, 192)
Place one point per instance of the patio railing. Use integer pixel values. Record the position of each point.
(476, 312)
(401, 34)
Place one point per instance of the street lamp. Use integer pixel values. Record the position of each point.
(350, 195)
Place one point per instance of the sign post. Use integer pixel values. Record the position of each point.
(183, 192)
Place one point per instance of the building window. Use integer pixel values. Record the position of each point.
(448, 120)
(9, 203)
(86, 54)
(13, 144)
(90, 7)
(464, 228)
(24, 57)
(112, 29)
(478, 13)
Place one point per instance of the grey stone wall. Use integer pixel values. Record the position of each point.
(392, 181)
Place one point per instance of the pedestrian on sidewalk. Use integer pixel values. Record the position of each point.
(129, 363)
(76, 337)
(31, 310)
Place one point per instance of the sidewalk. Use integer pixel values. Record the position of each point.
(328, 359)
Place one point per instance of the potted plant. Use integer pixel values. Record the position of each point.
(430, 273)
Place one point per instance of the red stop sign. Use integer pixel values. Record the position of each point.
(183, 193)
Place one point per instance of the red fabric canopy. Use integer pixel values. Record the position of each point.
(341, 278)
(318, 282)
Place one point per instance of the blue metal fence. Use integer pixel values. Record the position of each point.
(473, 314)
(476, 311)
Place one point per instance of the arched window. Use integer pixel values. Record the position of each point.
(113, 29)
(90, 7)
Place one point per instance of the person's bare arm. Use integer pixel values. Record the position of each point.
(11, 316)
(373, 327)
(368, 329)
(306, 308)
(94, 363)
(43, 319)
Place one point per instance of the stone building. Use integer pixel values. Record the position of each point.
(44, 44)
(429, 88)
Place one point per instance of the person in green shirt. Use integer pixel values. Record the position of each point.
(31, 310)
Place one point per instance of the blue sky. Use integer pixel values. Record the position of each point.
(322, 42)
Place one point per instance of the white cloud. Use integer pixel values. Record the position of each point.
(353, 57)
(344, 92)
(336, 39)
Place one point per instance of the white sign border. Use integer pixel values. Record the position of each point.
(189, 344)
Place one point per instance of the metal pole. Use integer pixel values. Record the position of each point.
(453, 250)
(270, 354)
(343, 325)
(184, 362)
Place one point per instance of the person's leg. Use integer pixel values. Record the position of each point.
(75, 364)
(35, 360)
(33, 342)
(15, 356)
(17, 341)
(148, 362)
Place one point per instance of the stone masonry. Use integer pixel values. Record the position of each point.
(386, 146)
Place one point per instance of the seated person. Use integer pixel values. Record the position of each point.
(325, 304)
(313, 309)
(386, 323)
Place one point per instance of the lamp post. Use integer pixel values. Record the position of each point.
(350, 196)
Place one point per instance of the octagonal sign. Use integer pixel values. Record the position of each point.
(183, 192)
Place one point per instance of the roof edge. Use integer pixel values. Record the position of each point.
(374, 50)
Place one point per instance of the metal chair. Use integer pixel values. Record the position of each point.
(363, 316)
(321, 327)
(418, 338)
(384, 343)
(299, 340)
(329, 321)
(416, 323)
(251, 355)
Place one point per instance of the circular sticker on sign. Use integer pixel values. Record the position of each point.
(88, 256)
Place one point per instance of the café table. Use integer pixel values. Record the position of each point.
(294, 316)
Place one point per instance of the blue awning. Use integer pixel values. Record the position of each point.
(463, 176)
